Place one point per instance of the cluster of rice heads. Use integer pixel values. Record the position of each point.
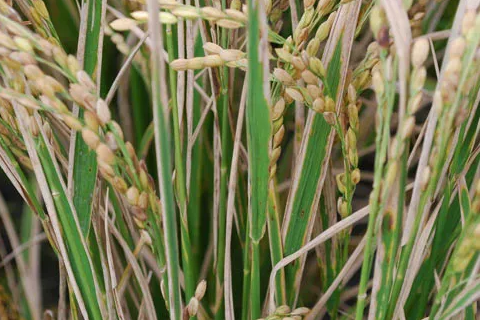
(231, 18)
(216, 57)
(28, 86)
(286, 313)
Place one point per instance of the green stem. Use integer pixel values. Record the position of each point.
(392, 249)
(226, 138)
(405, 258)
(180, 181)
(255, 307)
(196, 174)
(246, 276)
(163, 154)
(344, 235)
(381, 141)
(367, 260)
(445, 130)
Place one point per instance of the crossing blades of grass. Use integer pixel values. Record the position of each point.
(82, 277)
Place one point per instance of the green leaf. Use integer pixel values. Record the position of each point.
(259, 133)
(85, 162)
(77, 252)
(310, 172)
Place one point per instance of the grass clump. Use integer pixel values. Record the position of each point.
(222, 160)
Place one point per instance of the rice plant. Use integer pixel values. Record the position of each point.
(266, 159)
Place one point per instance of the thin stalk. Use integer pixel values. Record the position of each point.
(194, 170)
(181, 189)
(327, 261)
(393, 231)
(342, 249)
(246, 276)
(220, 270)
(255, 307)
(454, 280)
(448, 218)
(369, 248)
(406, 253)
(163, 153)
(128, 269)
(226, 138)
(381, 142)
(440, 246)
(446, 131)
